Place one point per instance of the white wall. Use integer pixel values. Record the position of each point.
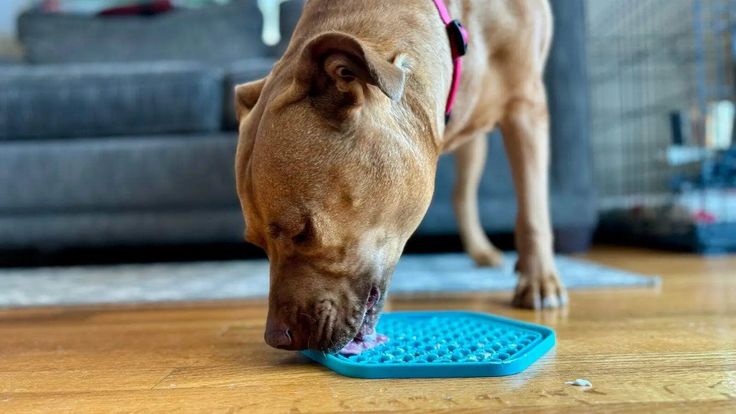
(9, 10)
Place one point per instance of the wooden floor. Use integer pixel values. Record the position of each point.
(671, 349)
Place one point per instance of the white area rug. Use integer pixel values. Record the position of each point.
(249, 279)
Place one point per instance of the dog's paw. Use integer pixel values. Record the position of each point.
(486, 256)
(539, 287)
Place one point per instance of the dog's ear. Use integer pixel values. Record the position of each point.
(341, 63)
(246, 97)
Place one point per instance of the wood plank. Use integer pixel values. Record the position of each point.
(666, 349)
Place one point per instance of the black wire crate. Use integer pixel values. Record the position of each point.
(663, 92)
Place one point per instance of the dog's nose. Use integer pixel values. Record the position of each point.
(279, 338)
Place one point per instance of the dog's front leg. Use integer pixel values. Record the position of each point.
(525, 129)
(470, 158)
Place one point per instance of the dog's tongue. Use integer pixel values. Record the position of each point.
(358, 346)
(367, 338)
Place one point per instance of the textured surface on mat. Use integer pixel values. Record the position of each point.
(445, 344)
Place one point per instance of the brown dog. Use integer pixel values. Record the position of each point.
(339, 145)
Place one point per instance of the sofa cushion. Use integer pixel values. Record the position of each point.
(241, 72)
(163, 172)
(215, 34)
(88, 228)
(211, 34)
(59, 101)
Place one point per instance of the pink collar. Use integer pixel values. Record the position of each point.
(459, 46)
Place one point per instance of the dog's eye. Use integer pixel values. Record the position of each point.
(345, 73)
(274, 230)
(306, 234)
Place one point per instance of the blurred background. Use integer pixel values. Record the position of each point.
(117, 133)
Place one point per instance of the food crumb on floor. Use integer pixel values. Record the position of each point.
(580, 383)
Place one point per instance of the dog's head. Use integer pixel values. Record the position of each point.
(334, 173)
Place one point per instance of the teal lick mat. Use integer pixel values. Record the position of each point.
(445, 344)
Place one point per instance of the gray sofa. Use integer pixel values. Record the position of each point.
(120, 131)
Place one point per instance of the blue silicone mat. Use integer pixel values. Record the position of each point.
(445, 344)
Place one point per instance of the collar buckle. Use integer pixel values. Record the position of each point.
(458, 38)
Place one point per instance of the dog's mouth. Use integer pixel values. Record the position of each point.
(367, 338)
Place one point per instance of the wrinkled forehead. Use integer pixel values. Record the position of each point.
(296, 149)
(289, 153)
(300, 159)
